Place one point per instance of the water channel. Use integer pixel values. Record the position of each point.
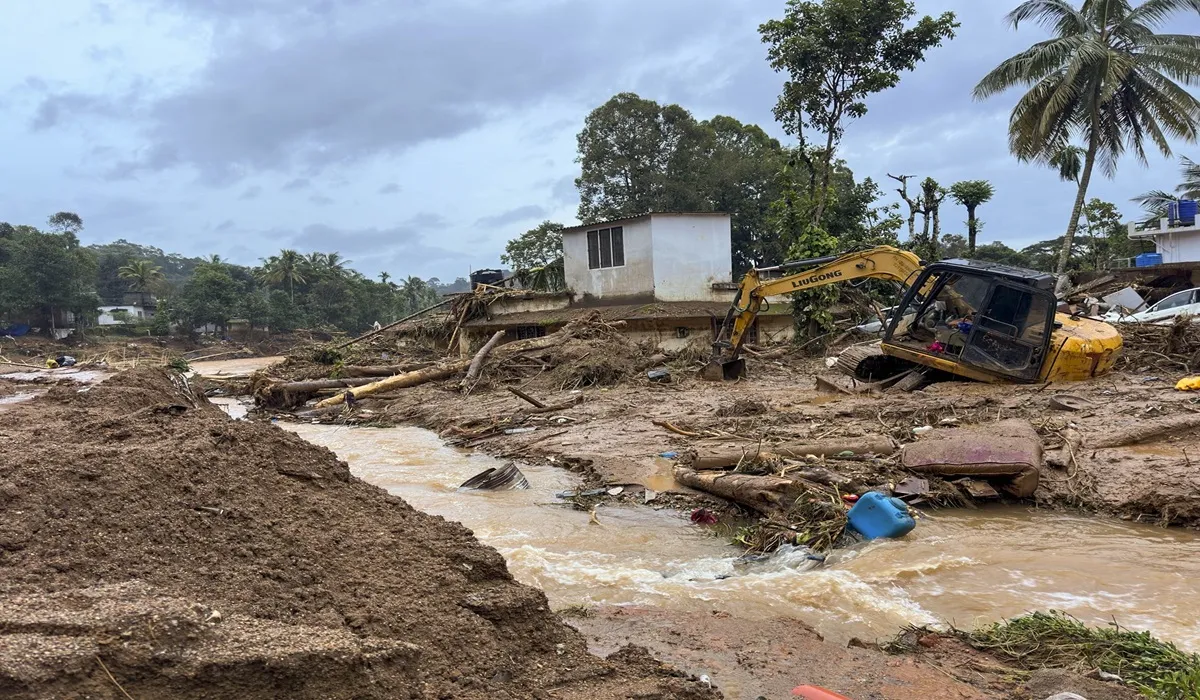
(961, 566)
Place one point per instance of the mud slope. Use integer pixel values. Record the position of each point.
(149, 542)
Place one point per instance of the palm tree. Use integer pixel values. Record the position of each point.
(972, 194)
(1104, 77)
(384, 277)
(336, 264)
(285, 269)
(1155, 202)
(143, 275)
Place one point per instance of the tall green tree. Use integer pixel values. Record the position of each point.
(741, 176)
(143, 276)
(637, 156)
(539, 246)
(284, 269)
(836, 53)
(210, 296)
(972, 194)
(1156, 202)
(1104, 79)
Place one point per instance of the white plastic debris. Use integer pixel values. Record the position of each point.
(923, 430)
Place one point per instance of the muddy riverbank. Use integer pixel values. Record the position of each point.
(153, 547)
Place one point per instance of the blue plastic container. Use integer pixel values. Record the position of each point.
(1187, 212)
(1148, 259)
(876, 515)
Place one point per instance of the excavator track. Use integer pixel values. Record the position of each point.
(868, 363)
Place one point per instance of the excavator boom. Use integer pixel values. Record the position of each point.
(883, 262)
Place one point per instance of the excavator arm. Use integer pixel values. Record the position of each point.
(883, 262)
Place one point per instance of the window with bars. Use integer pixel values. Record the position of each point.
(606, 248)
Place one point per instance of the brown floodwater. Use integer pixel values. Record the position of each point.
(965, 567)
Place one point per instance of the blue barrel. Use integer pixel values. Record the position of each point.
(1187, 212)
(876, 515)
(1148, 260)
(1172, 212)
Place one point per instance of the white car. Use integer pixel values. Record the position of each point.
(1165, 311)
(875, 325)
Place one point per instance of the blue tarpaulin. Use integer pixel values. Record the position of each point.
(16, 330)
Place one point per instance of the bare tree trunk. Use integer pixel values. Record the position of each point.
(971, 232)
(1085, 179)
(823, 193)
(400, 381)
(765, 494)
(477, 362)
(937, 228)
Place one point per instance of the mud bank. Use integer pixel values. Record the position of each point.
(149, 545)
(615, 433)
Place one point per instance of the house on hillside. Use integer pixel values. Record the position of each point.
(667, 275)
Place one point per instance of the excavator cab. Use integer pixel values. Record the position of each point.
(975, 319)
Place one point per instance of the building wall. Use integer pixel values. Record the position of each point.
(634, 279)
(136, 313)
(690, 254)
(1179, 247)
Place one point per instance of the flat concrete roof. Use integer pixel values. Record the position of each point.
(640, 217)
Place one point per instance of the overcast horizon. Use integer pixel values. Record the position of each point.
(417, 138)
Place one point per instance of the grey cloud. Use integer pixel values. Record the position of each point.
(512, 216)
(403, 242)
(102, 12)
(428, 220)
(564, 190)
(395, 76)
(297, 184)
(320, 200)
(101, 54)
(251, 192)
(390, 188)
(52, 108)
(225, 225)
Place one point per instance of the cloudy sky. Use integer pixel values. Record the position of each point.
(417, 136)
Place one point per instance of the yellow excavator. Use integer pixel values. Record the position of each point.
(972, 319)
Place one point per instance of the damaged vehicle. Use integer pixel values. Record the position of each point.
(1182, 303)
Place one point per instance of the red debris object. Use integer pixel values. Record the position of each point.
(850, 497)
(812, 692)
(703, 516)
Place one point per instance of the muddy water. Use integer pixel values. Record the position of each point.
(965, 567)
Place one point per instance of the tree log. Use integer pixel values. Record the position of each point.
(383, 370)
(727, 460)
(393, 324)
(477, 362)
(401, 381)
(765, 494)
(527, 397)
(1146, 431)
(308, 387)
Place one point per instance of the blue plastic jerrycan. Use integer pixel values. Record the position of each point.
(876, 515)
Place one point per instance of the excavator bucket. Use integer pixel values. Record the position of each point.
(716, 370)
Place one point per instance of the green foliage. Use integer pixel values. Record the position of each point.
(1056, 640)
(284, 316)
(122, 316)
(161, 325)
(836, 53)
(637, 156)
(972, 194)
(285, 269)
(536, 247)
(179, 364)
(999, 253)
(1104, 79)
(45, 273)
(210, 296)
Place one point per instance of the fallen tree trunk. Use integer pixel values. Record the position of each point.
(765, 494)
(727, 460)
(393, 324)
(307, 387)
(476, 365)
(400, 381)
(383, 370)
(1146, 431)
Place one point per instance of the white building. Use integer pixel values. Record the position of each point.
(660, 257)
(668, 276)
(1175, 242)
(136, 314)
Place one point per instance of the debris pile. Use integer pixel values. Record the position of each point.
(255, 566)
(1148, 347)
